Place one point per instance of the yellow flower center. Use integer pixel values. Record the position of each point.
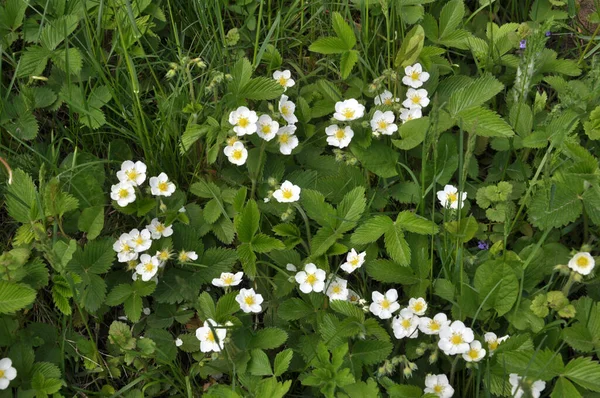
(266, 129)
(416, 99)
(452, 197)
(285, 110)
(348, 113)
(287, 193)
(1, 374)
(236, 154)
(131, 265)
(160, 227)
(183, 256)
(382, 124)
(132, 174)
(387, 101)
(149, 267)
(243, 122)
(406, 323)
(228, 280)
(336, 289)
(385, 304)
(123, 193)
(493, 345)
(210, 336)
(340, 134)
(418, 306)
(438, 389)
(139, 240)
(354, 261)
(163, 255)
(283, 81)
(126, 247)
(474, 354)
(456, 339)
(163, 186)
(434, 325)
(284, 138)
(353, 299)
(249, 300)
(583, 262)
(415, 75)
(311, 279)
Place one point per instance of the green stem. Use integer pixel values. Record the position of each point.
(306, 223)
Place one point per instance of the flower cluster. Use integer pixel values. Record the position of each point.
(340, 135)
(132, 175)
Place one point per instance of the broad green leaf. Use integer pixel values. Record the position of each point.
(282, 361)
(119, 294)
(497, 286)
(371, 230)
(379, 158)
(476, 93)
(387, 271)
(564, 389)
(15, 297)
(262, 243)
(411, 47)
(91, 221)
(21, 197)
(241, 73)
(246, 222)
(317, 209)
(484, 122)
(33, 61)
(293, 309)
(349, 59)
(58, 30)
(350, 209)
(450, 17)
(585, 372)
(259, 364)
(464, 230)
(343, 30)
(261, 88)
(554, 205)
(412, 133)
(268, 338)
(396, 245)
(348, 309)
(328, 45)
(370, 352)
(542, 364)
(68, 60)
(411, 222)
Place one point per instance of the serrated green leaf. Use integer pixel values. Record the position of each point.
(328, 45)
(246, 222)
(412, 222)
(14, 297)
(390, 272)
(282, 362)
(293, 309)
(450, 17)
(497, 286)
(476, 93)
(585, 372)
(91, 221)
(21, 197)
(484, 122)
(259, 363)
(371, 230)
(564, 389)
(396, 245)
(370, 352)
(261, 88)
(343, 30)
(262, 243)
(268, 338)
(348, 60)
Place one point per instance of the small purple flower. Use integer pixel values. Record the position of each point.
(483, 245)
(548, 34)
(523, 44)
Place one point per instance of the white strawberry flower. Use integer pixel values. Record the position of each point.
(266, 127)
(348, 110)
(455, 339)
(416, 98)
(186, 257)
(148, 267)
(211, 336)
(178, 342)
(311, 279)
(383, 122)
(582, 262)
(228, 279)
(410, 114)
(249, 301)
(385, 98)
(449, 197)
(438, 385)
(287, 109)
(147, 311)
(140, 240)
(7, 373)
(337, 289)
(134, 173)
(287, 140)
(493, 341)
(159, 230)
(405, 324)
(415, 77)
(123, 193)
(284, 78)
(418, 306)
(125, 251)
(520, 385)
(338, 136)
(161, 186)
(236, 153)
(433, 326)
(291, 267)
(244, 121)
(287, 193)
(354, 260)
(384, 305)
(475, 352)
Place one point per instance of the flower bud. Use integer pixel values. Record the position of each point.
(171, 73)
(433, 357)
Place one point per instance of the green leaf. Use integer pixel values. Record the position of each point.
(350, 209)
(58, 30)
(484, 122)
(45, 386)
(411, 222)
(33, 61)
(242, 70)
(411, 47)
(246, 222)
(497, 285)
(91, 221)
(206, 306)
(542, 364)
(387, 271)
(94, 293)
(119, 334)
(585, 372)
(262, 243)
(379, 158)
(259, 363)
(371, 230)
(554, 205)
(464, 230)
(476, 93)
(396, 245)
(317, 209)
(14, 297)
(591, 202)
(361, 389)
(261, 88)
(119, 294)
(226, 306)
(282, 362)
(348, 309)
(21, 197)
(68, 60)
(370, 352)
(349, 59)
(212, 211)
(133, 307)
(293, 309)
(450, 17)
(564, 389)
(328, 45)
(268, 338)
(343, 30)
(412, 133)
(96, 257)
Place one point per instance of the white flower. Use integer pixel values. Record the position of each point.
(158, 229)
(410, 114)
(284, 78)
(244, 121)
(416, 98)
(161, 186)
(348, 110)
(287, 109)
(148, 267)
(519, 385)
(438, 385)
(186, 257)
(312, 279)
(354, 260)
(455, 339)
(415, 77)
(405, 324)
(182, 209)
(228, 279)
(339, 137)
(7, 373)
(493, 341)
(133, 173)
(123, 193)
(287, 193)
(386, 98)
(146, 311)
(353, 297)
(433, 326)
(287, 140)
(236, 153)
(249, 300)
(178, 342)
(211, 336)
(449, 197)
(384, 305)
(125, 251)
(266, 127)
(337, 289)
(475, 352)
(582, 262)
(383, 122)
(140, 240)
(418, 306)
(291, 267)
